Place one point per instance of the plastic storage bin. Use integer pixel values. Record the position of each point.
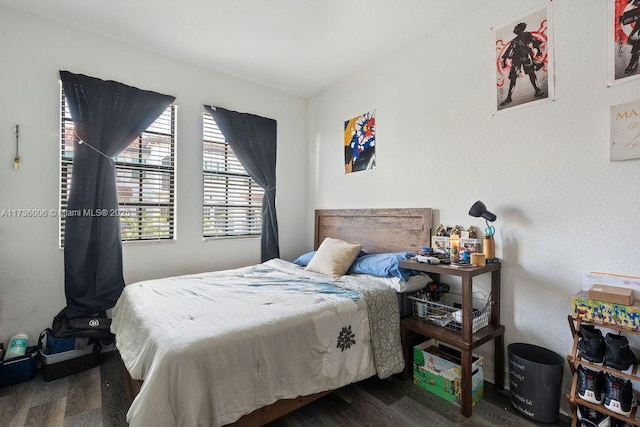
(19, 369)
(70, 362)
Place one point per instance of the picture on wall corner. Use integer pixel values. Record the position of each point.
(524, 59)
(624, 40)
(360, 143)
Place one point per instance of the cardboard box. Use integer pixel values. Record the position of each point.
(606, 312)
(612, 294)
(436, 368)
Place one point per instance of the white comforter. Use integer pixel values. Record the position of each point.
(212, 347)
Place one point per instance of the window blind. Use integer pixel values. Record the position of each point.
(232, 201)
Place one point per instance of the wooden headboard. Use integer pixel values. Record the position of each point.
(377, 230)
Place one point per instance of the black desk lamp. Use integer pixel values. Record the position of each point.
(480, 210)
(488, 247)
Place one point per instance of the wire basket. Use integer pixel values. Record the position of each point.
(448, 311)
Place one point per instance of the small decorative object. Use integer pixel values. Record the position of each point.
(478, 260)
(440, 243)
(425, 251)
(472, 232)
(464, 234)
(471, 245)
(455, 231)
(441, 231)
(454, 248)
(489, 247)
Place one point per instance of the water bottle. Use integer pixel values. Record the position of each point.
(17, 345)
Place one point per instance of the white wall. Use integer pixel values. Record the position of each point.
(31, 264)
(563, 208)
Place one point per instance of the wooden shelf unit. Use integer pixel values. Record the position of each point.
(414, 329)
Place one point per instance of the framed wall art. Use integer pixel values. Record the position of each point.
(360, 143)
(524, 60)
(625, 131)
(624, 40)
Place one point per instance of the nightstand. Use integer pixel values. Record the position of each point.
(415, 329)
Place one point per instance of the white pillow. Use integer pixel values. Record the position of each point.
(334, 257)
(415, 283)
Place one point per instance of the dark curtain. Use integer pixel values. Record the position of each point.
(108, 116)
(253, 140)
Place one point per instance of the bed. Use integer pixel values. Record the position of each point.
(249, 345)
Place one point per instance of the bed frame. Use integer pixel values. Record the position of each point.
(378, 231)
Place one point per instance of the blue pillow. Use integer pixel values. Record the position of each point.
(383, 265)
(303, 260)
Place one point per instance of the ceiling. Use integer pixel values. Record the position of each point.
(297, 46)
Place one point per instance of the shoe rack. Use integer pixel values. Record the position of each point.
(575, 361)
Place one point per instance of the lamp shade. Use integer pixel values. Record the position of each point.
(480, 210)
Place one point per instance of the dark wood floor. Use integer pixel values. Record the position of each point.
(98, 398)
(92, 398)
(394, 402)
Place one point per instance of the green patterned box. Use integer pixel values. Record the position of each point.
(437, 370)
(627, 316)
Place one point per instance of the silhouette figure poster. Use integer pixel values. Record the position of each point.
(624, 40)
(524, 60)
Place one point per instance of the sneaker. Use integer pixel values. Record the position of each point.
(618, 355)
(618, 395)
(591, 344)
(619, 423)
(591, 418)
(590, 385)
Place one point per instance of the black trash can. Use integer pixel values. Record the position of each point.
(535, 381)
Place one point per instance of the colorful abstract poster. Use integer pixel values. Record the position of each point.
(360, 143)
(624, 40)
(625, 131)
(524, 60)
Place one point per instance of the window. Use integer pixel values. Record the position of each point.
(232, 201)
(145, 176)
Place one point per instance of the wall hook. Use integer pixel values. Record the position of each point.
(16, 159)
